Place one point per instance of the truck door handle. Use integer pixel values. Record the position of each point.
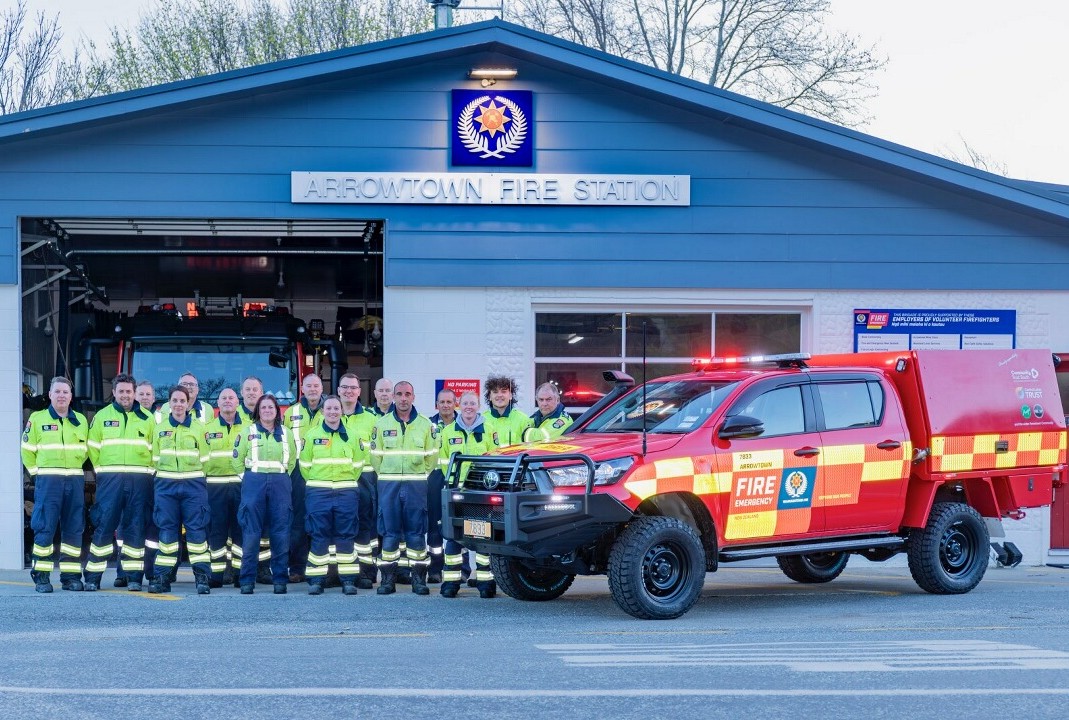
(889, 445)
(807, 452)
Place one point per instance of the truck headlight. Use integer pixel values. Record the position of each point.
(605, 473)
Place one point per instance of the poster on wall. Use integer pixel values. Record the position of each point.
(919, 329)
(459, 386)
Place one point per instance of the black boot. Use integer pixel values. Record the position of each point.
(203, 583)
(487, 589)
(41, 581)
(386, 586)
(92, 582)
(419, 581)
(366, 581)
(315, 587)
(450, 589)
(120, 581)
(159, 584)
(74, 584)
(348, 587)
(403, 576)
(133, 582)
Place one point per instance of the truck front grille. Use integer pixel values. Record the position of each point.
(478, 511)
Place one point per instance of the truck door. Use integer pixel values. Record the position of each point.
(865, 454)
(773, 474)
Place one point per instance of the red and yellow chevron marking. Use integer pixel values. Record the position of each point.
(965, 453)
(844, 467)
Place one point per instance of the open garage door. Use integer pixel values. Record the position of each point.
(88, 283)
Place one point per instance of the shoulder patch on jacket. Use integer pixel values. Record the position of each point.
(558, 423)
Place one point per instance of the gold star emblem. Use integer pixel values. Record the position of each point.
(492, 118)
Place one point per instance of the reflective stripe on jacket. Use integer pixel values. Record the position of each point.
(404, 450)
(121, 441)
(263, 451)
(178, 449)
(330, 458)
(55, 445)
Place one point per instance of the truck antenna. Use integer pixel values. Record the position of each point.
(643, 388)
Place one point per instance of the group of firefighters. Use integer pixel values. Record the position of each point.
(327, 489)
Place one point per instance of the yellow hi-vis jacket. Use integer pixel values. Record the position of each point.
(330, 458)
(52, 445)
(299, 418)
(506, 428)
(359, 424)
(547, 427)
(454, 438)
(200, 411)
(221, 437)
(404, 450)
(120, 441)
(263, 451)
(178, 449)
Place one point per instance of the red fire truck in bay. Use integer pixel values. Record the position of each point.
(805, 459)
(159, 342)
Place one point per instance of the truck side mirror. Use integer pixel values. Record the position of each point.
(277, 360)
(740, 426)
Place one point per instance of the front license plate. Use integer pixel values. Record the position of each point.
(477, 528)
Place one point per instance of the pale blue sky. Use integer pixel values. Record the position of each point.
(988, 71)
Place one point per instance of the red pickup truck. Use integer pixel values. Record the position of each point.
(805, 459)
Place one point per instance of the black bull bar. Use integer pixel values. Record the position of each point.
(538, 522)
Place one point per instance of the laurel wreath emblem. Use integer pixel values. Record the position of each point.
(509, 142)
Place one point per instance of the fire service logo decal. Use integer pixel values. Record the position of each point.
(492, 129)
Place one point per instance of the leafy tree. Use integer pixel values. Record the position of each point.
(179, 39)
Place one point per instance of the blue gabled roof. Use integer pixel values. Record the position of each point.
(499, 37)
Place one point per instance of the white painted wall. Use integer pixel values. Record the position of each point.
(471, 332)
(11, 423)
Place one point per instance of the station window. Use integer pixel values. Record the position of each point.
(572, 349)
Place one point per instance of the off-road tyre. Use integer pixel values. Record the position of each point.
(948, 556)
(524, 583)
(813, 568)
(657, 568)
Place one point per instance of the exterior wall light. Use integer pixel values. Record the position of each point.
(489, 76)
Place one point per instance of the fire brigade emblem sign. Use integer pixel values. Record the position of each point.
(796, 489)
(492, 128)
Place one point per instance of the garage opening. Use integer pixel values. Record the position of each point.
(157, 297)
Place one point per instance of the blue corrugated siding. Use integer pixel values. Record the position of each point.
(766, 212)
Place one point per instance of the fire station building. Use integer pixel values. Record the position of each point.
(487, 199)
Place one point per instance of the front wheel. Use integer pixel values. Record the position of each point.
(524, 583)
(948, 556)
(657, 568)
(813, 568)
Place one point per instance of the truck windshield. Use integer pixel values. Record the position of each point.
(673, 406)
(217, 364)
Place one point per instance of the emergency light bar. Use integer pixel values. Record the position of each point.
(720, 363)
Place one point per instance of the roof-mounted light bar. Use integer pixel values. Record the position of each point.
(783, 360)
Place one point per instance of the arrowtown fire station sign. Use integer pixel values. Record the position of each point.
(414, 188)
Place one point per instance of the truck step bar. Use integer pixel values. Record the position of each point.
(840, 545)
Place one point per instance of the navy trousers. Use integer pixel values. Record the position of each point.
(265, 505)
(332, 520)
(298, 533)
(58, 503)
(182, 503)
(403, 512)
(223, 499)
(119, 495)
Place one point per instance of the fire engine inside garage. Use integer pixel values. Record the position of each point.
(485, 199)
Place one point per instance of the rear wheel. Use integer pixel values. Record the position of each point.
(657, 568)
(813, 568)
(524, 583)
(949, 555)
